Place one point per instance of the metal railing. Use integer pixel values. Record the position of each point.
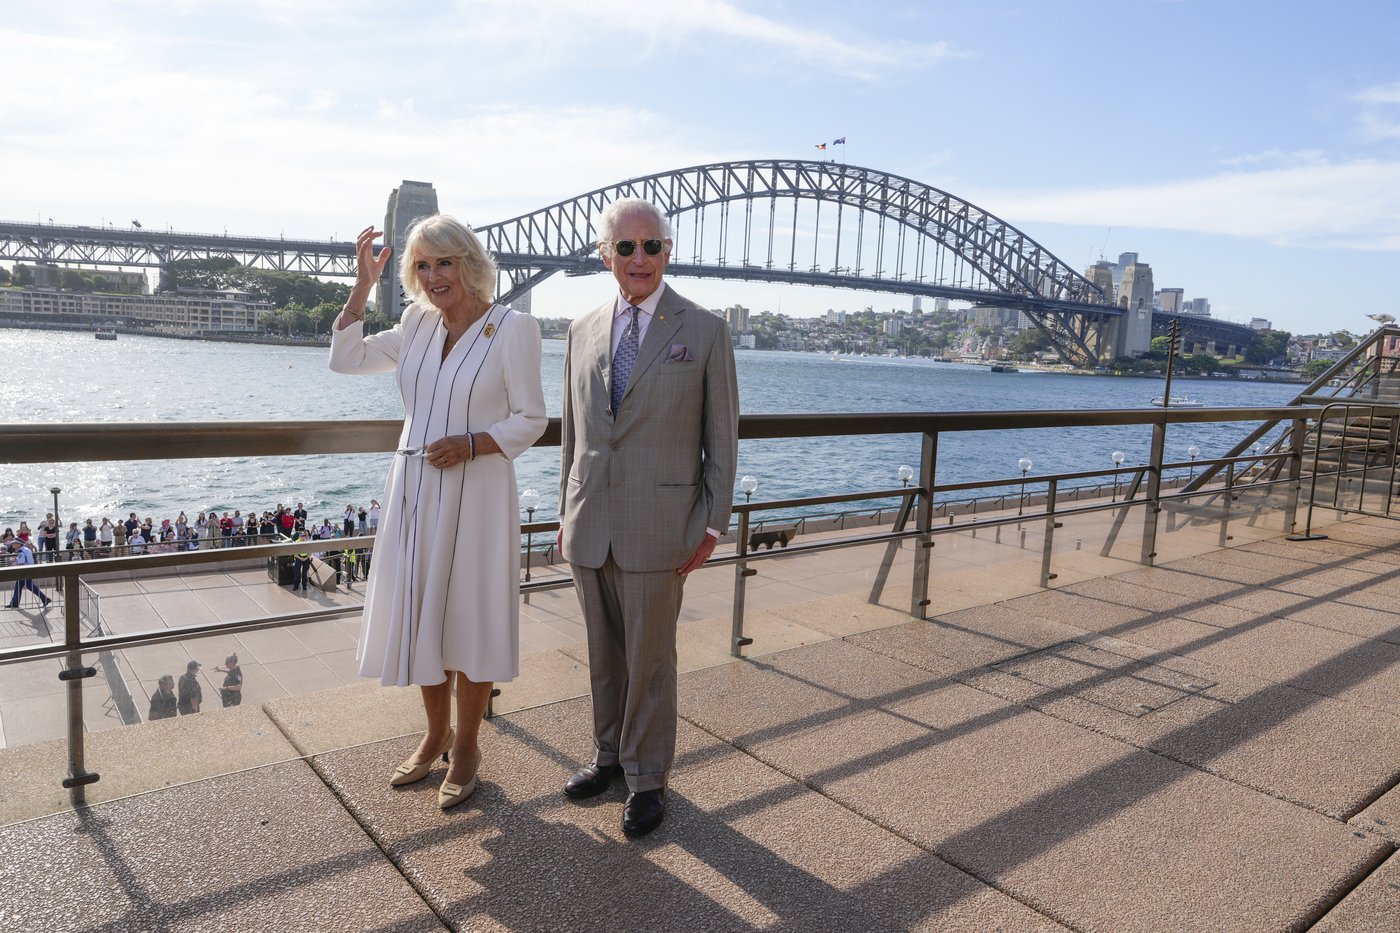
(914, 515)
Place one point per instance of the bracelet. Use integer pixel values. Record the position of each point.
(353, 315)
(471, 446)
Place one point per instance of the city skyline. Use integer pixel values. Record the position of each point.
(1249, 155)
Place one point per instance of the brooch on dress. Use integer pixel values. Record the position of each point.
(490, 329)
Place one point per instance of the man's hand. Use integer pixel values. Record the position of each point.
(702, 554)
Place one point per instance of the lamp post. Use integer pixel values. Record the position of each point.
(57, 525)
(748, 485)
(906, 473)
(1025, 464)
(529, 501)
(1117, 458)
(1194, 452)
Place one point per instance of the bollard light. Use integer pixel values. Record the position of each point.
(1194, 452)
(529, 501)
(906, 473)
(1025, 464)
(1117, 458)
(747, 485)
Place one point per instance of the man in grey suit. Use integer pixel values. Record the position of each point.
(649, 445)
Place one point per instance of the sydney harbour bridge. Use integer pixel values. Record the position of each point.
(797, 222)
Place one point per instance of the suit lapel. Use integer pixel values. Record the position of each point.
(598, 347)
(664, 323)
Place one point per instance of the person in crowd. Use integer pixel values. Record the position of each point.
(181, 523)
(24, 533)
(374, 512)
(650, 394)
(237, 529)
(226, 530)
(326, 530)
(73, 541)
(348, 525)
(361, 525)
(442, 604)
(148, 530)
(131, 523)
(191, 542)
(48, 538)
(250, 528)
(301, 565)
(89, 540)
(231, 693)
(119, 539)
(23, 556)
(191, 693)
(136, 543)
(289, 523)
(299, 513)
(163, 701)
(267, 528)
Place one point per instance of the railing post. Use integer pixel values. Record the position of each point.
(1297, 442)
(923, 521)
(1154, 493)
(78, 775)
(1050, 525)
(741, 573)
(1229, 500)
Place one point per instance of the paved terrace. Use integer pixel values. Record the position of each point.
(1209, 744)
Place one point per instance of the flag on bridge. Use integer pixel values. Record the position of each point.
(840, 142)
(821, 145)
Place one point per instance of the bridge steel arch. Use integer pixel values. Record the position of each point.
(943, 246)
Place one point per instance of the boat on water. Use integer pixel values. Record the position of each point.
(1004, 368)
(105, 334)
(1178, 401)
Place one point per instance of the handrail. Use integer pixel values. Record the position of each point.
(80, 443)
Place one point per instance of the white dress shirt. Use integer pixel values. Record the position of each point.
(622, 317)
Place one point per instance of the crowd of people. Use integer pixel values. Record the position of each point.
(209, 530)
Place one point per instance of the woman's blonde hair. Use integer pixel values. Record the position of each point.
(442, 236)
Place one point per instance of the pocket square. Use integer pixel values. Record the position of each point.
(680, 353)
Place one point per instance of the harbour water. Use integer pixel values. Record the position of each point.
(71, 377)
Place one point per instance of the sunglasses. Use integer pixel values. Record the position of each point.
(628, 247)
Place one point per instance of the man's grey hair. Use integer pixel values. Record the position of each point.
(607, 221)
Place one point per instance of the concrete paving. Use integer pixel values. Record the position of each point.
(1210, 743)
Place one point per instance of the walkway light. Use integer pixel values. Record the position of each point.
(57, 525)
(1025, 464)
(1194, 452)
(1117, 458)
(529, 501)
(747, 485)
(906, 473)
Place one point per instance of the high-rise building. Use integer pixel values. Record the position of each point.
(1259, 323)
(1124, 261)
(917, 304)
(1197, 306)
(1171, 299)
(410, 201)
(940, 305)
(737, 317)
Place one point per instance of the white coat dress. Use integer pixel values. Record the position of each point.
(444, 585)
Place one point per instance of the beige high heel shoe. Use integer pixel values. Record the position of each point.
(449, 795)
(407, 773)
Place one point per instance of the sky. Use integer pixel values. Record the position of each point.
(1248, 151)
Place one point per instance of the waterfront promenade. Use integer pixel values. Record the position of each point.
(1212, 743)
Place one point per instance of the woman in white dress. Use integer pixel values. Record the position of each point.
(442, 603)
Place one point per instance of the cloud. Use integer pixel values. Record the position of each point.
(1380, 113)
(567, 26)
(1352, 205)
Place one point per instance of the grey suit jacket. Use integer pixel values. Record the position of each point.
(647, 484)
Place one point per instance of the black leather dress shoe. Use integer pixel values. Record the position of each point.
(643, 812)
(591, 780)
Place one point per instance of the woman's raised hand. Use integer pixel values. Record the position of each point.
(368, 267)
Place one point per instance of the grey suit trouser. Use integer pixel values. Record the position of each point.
(631, 622)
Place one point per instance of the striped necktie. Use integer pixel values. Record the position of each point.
(623, 359)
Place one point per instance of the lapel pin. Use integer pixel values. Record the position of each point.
(490, 329)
